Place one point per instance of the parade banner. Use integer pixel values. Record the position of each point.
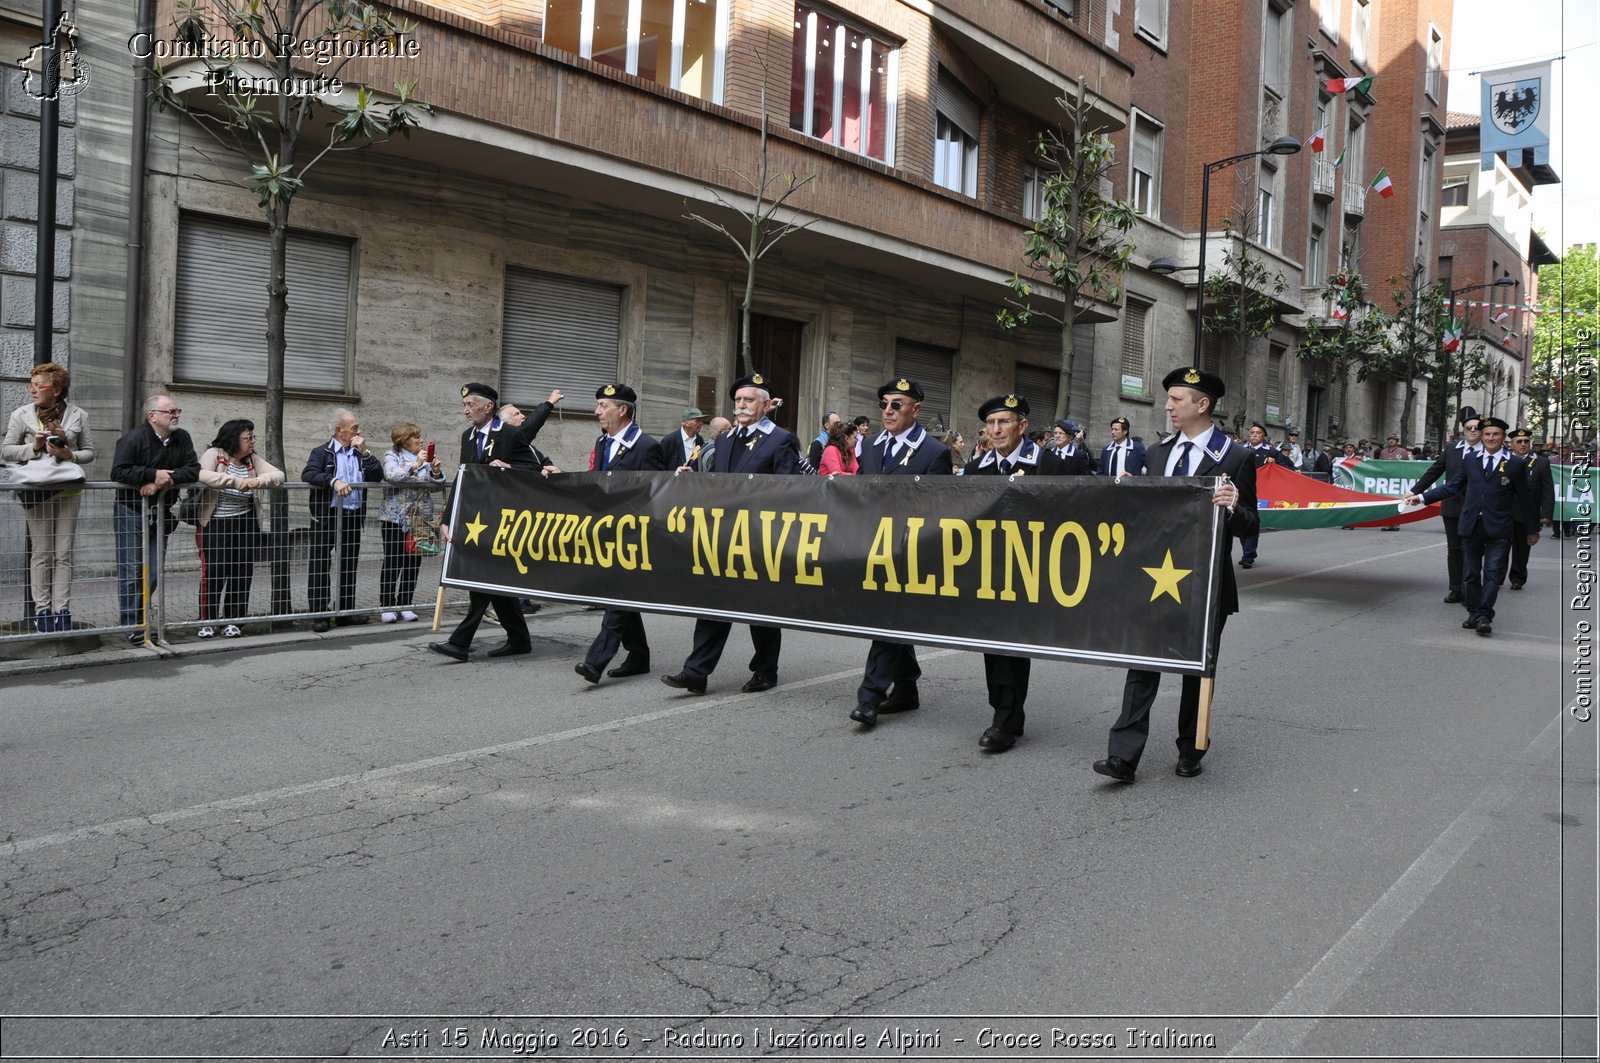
(1075, 568)
(1574, 483)
(1291, 502)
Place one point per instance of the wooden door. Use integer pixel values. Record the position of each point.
(775, 349)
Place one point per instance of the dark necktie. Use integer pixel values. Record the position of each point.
(481, 436)
(1182, 468)
(891, 450)
(602, 449)
(1006, 465)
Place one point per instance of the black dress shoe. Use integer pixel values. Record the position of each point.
(1470, 623)
(510, 649)
(1188, 767)
(1516, 586)
(683, 682)
(758, 683)
(902, 699)
(995, 740)
(1453, 598)
(352, 621)
(627, 668)
(1247, 562)
(866, 714)
(1116, 768)
(454, 652)
(321, 625)
(1485, 628)
(588, 673)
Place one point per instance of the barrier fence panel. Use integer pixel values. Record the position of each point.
(59, 565)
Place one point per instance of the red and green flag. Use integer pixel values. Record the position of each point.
(1452, 336)
(1340, 160)
(1319, 140)
(1339, 85)
(1382, 185)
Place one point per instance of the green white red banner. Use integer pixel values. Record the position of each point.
(1575, 484)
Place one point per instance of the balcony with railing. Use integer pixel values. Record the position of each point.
(1323, 177)
(1354, 196)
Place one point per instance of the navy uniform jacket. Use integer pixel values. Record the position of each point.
(1267, 450)
(1541, 500)
(1218, 457)
(1446, 465)
(1491, 500)
(672, 448)
(636, 452)
(771, 450)
(322, 468)
(1077, 460)
(1133, 463)
(1030, 458)
(921, 454)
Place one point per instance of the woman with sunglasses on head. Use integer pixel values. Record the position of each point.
(229, 524)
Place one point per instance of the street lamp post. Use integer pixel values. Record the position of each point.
(1505, 281)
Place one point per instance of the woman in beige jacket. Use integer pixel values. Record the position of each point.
(229, 519)
(50, 429)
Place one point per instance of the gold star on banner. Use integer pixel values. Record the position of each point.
(475, 528)
(1167, 579)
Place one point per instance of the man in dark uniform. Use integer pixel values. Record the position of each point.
(903, 448)
(1540, 510)
(754, 445)
(1070, 448)
(1262, 453)
(1013, 454)
(1122, 456)
(1447, 465)
(1495, 484)
(1197, 448)
(524, 455)
(485, 440)
(622, 447)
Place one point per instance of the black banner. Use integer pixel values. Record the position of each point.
(1076, 568)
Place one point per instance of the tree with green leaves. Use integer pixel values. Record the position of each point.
(265, 83)
(1340, 344)
(1242, 298)
(1078, 241)
(1563, 335)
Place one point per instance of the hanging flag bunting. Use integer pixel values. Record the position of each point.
(1338, 85)
(1319, 140)
(1382, 185)
(1515, 115)
(1501, 316)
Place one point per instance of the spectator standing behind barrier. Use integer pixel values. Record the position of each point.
(958, 450)
(335, 470)
(839, 456)
(720, 427)
(818, 445)
(407, 502)
(228, 524)
(50, 429)
(148, 460)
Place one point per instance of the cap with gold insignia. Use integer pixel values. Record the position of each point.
(1123, 421)
(481, 390)
(1004, 403)
(1202, 380)
(1521, 433)
(618, 393)
(751, 380)
(902, 386)
(1493, 422)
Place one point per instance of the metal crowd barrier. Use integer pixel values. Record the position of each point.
(226, 576)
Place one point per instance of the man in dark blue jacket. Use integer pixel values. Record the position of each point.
(1541, 505)
(903, 448)
(1122, 456)
(336, 470)
(1447, 464)
(1495, 486)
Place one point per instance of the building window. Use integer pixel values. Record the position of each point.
(1317, 255)
(1274, 72)
(955, 159)
(1274, 409)
(935, 369)
(1033, 185)
(1435, 76)
(680, 44)
(843, 87)
(1360, 30)
(1456, 191)
(1150, 21)
(1041, 387)
(220, 331)
(1266, 216)
(1146, 167)
(559, 332)
(1136, 349)
(1425, 210)
(1328, 18)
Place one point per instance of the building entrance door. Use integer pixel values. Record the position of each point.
(776, 350)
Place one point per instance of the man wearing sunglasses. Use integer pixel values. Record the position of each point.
(903, 448)
(150, 459)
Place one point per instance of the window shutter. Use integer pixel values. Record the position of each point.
(220, 331)
(1041, 387)
(559, 333)
(934, 369)
(1135, 349)
(953, 101)
(1151, 16)
(1144, 147)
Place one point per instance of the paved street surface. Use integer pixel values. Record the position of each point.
(1391, 852)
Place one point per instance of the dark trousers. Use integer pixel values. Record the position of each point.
(710, 636)
(1007, 678)
(343, 531)
(1452, 551)
(1519, 553)
(506, 610)
(887, 663)
(1247, 548)
(619, 627)
(228, 549)
(1485, 566)
(397, 580)
(1132, 729)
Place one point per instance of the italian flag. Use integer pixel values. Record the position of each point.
(1338, 85)
(1319, 140)
(1382, 185)
(1340, 313)
(1340, 160)
(1452, 337)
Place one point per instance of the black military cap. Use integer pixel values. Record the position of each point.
(482, 390)
(1521, 433)
(1068, 425)
(619, 393)
(902, 386)
(1467, 413)
(1002, 403)
(1202, 380)
(753, 380)
(1123, 421)
(1493, 422)
(1258, 424)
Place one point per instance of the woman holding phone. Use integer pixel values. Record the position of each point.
(407, 468)
(49, 428)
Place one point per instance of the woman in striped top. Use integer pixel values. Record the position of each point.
(229, 532)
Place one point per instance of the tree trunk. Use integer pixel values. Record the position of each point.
(1069, 351)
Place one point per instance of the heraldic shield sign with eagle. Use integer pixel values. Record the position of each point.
(1516, 104)
(1515, 114)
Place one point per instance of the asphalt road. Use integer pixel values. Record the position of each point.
(1392, 851)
